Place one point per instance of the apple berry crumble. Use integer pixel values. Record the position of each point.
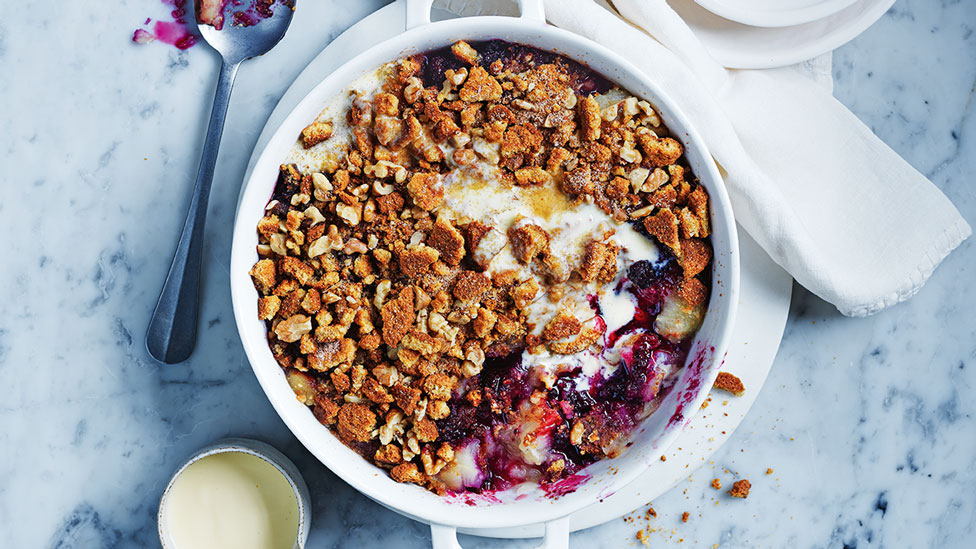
(483, 266)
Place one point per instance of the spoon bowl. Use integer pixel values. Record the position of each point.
(239, 35)
(237, 41)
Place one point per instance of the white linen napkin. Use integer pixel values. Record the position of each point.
(830, 202)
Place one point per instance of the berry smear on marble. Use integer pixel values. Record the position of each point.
(178, 32)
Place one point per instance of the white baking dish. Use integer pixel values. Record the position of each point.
(445, 514)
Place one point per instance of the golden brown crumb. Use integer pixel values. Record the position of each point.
(470, 285)
(389, 454)
(386, 104)
(599, 261)
(356, 422)
(408, 472)
(447, 240)
(296, 268)
(528, 241)
(439, 386)
(268, 225)
(563, 325)
(315, 133)
(663, 457)
(690, 225)
(532, 176)
(263, 274)
(698, 203)
(730, 383)
(684, 516)
(397, 317)
(480, 86)
(692, 291)
(659, 151)
(717, 484)
(484, 322)
(665, 197)
(425, 429)
(268, 307)
(425, 190)
(406, 397)
(463, 51)
(664, 226)
(587, 337)
(589, 113)
(694, 255)
(421, 342)
(740, 489)
(769, 471)
(417, 261)
(521, 139)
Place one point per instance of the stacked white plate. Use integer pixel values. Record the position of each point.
(762, 34)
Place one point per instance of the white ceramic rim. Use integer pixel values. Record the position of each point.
(739, 46)
(258, 449)
(758, 17)
(365, 477)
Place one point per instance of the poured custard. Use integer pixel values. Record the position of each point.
(231, 499)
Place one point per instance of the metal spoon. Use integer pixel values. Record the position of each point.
(173, 327)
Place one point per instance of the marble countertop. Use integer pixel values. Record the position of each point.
(867, 423)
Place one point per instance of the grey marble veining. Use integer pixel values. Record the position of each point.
(868, 424)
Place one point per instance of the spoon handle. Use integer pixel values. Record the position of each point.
(173, 327)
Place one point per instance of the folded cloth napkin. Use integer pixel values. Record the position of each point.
(831, 203)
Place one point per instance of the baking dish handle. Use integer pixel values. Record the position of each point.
(418, 12)
(557, 535)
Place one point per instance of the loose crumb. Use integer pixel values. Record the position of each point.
(740, 489)
(769, 471)
(664, 458)
(717, 484)
(651, 513)
(730, 383)
(684, 516)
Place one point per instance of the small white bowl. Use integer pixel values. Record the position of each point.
(774, 13)
(258, 449)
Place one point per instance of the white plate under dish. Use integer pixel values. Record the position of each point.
(764, 304)
(774, 13)
(739, 46)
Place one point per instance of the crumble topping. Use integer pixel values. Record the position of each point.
(483, 266)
